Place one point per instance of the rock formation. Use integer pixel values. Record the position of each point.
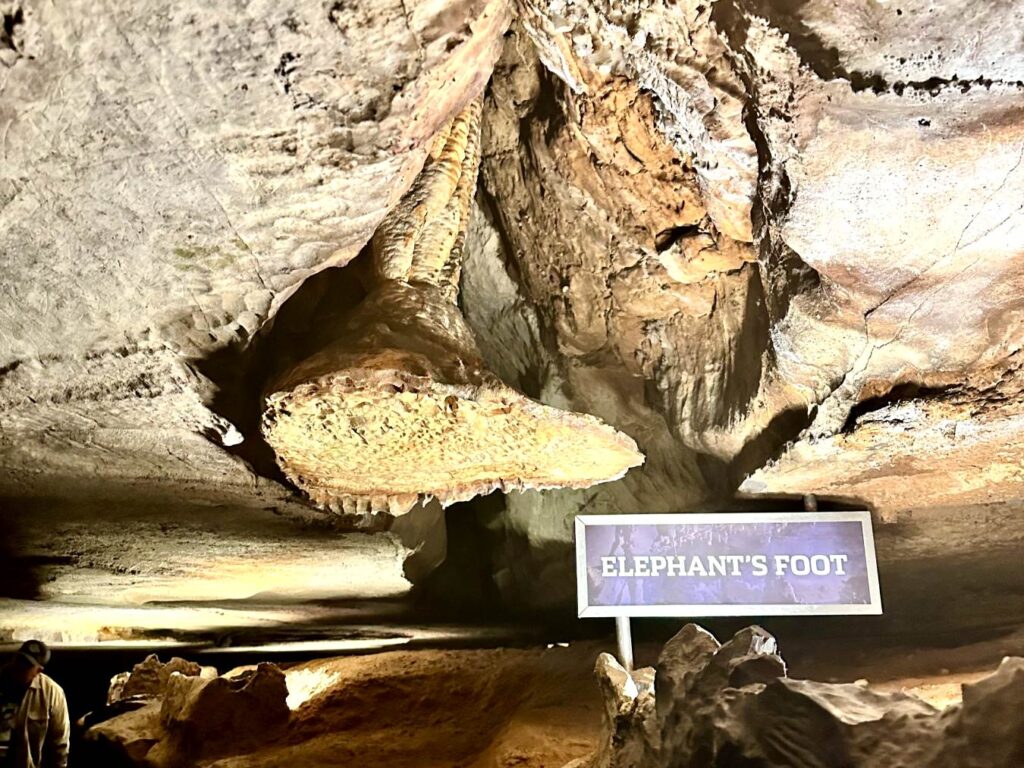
(409, 709)
(148, 679)
(775, 245)
(203, 164)
(197, 717)
(733, 705)
(399, 406)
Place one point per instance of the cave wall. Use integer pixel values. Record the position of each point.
(775, 243)
(171, 175)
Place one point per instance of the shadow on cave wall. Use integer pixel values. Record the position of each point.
(494, 572)
(240, 373)
(20, 572)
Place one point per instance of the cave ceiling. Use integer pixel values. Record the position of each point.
(752, 247)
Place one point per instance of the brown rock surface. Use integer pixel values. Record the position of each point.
(701, 702)
(428, 709)
(734, 706)
(149, 677)
(399, 407)
(776, 244)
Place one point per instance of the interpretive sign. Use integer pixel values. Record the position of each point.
(742, 564)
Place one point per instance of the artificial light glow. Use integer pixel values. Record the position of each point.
(304, 684)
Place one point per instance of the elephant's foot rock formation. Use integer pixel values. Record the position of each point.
(733, 705)
(400, 407)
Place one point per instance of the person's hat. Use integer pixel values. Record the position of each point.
(36, 652)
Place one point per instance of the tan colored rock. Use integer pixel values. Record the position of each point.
(170, 174)
(629, 716)
(734, 705)
(229, 714)
(399, 407)
(149, 677)
(129, 736)
(675, 52)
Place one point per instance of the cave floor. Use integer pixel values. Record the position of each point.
(532, 707)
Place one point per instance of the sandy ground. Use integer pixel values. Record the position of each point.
(523, 708)
(540, 708)
(428, 709)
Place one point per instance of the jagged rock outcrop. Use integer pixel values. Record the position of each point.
(148, 678)
(733, 705)
(198, 717)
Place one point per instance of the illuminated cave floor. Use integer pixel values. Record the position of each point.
(483, 697)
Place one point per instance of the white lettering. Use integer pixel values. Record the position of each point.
(760, 565)
(820, 565)
(642, 564)
(840, 561)
(658, 563)
(781, 563)
(608, 566)
(676, 565)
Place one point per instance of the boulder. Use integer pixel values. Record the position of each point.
(733, 706)
(194, 717)
(149, 677)
(125, 739)
(230, 714)
(629, 714)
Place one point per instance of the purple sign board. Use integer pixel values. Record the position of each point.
(742, 564)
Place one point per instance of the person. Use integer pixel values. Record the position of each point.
(35, 729)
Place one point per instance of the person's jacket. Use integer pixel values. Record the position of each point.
(42, 728)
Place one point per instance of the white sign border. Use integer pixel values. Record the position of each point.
(587, 611)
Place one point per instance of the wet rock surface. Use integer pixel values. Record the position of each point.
(734, 705)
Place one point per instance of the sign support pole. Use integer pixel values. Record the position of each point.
(624, 637)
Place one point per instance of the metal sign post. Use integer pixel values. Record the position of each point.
(624, 636)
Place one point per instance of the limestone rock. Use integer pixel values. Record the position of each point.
(986, 729)
(629, 716)
(197, 714)
(775, 245)
(236, 152)
(149, 678)
(128, 737)
(399, 407)
(734, 706)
